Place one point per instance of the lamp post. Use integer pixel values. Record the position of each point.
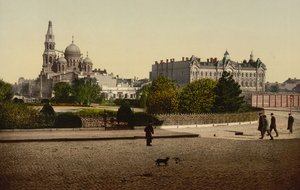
(291, 101)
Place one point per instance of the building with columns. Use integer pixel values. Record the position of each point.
(249, 74)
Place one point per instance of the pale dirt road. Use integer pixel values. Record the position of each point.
(222, 162)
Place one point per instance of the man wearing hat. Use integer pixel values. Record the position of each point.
(273, 124)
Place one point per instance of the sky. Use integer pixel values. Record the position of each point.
(126, 37)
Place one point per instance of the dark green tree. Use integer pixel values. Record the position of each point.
(6, 91)
(198, 96)
(163, 97)
(228, 93)
(62, 92)
(125, 114)
(86, 90)
(274, 88)
(47, 109)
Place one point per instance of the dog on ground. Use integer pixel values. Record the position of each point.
(162, 161)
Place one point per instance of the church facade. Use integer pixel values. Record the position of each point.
(61, 66)
(249, 74)
(68, 65)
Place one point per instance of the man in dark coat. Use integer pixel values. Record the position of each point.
(149, 131)
(266, 128)
(290, 123)
(273, 124)
(260, 124)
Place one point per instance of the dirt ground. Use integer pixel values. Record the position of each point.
(205, 163)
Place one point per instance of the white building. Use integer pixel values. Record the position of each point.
(249, 74)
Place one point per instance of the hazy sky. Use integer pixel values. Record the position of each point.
(127, 36)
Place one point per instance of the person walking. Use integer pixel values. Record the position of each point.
(290, 123)
(260, 124)
(149, 131)
(266, 128)
(273, 124)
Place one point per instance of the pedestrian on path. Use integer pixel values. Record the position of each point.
(290, 123)
(260, 124)
(273, 124)
(149, 131)
(266, 128)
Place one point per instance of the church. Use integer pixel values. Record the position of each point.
(61, 66)
(68, 65)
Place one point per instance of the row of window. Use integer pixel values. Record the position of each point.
(250, 84)
(220, 74)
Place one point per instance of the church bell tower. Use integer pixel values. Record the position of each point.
(49, 55)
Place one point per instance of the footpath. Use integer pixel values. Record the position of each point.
(89, 134)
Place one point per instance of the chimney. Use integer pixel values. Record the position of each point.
(186, 58)
(167, 60)
(207, 60)
(156, 62)
(182, 58)
(211, 59)
(161, 61)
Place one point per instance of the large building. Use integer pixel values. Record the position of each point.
(249, 74)
(68, 65)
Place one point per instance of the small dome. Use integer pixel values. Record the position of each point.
(87, 60)
(62, 60)
(72, 50)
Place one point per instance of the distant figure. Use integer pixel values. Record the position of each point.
(149, 131)
(290, 123)
(273, 124)
(266, 128)
(260, 124)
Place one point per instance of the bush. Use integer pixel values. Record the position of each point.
(47, 109)
(125, 114)
(18, 116)
(67, 120)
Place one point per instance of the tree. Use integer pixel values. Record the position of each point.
(86, 90)
(228, 94)
(125, 114)
(274, 88)
(6, 91)
(62, 92)
(143, 94)
(198, 96)
(163, 97)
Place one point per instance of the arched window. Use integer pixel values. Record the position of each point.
(242, 83)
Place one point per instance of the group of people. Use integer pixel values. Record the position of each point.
(264, 127)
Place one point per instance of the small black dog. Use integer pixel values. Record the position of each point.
(162, 160)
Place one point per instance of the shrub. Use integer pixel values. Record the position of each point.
(125, 114)
(18, 116)
(67, 120)
(47, 109)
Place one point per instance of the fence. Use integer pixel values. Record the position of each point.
(275, 100)
(200, 119)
